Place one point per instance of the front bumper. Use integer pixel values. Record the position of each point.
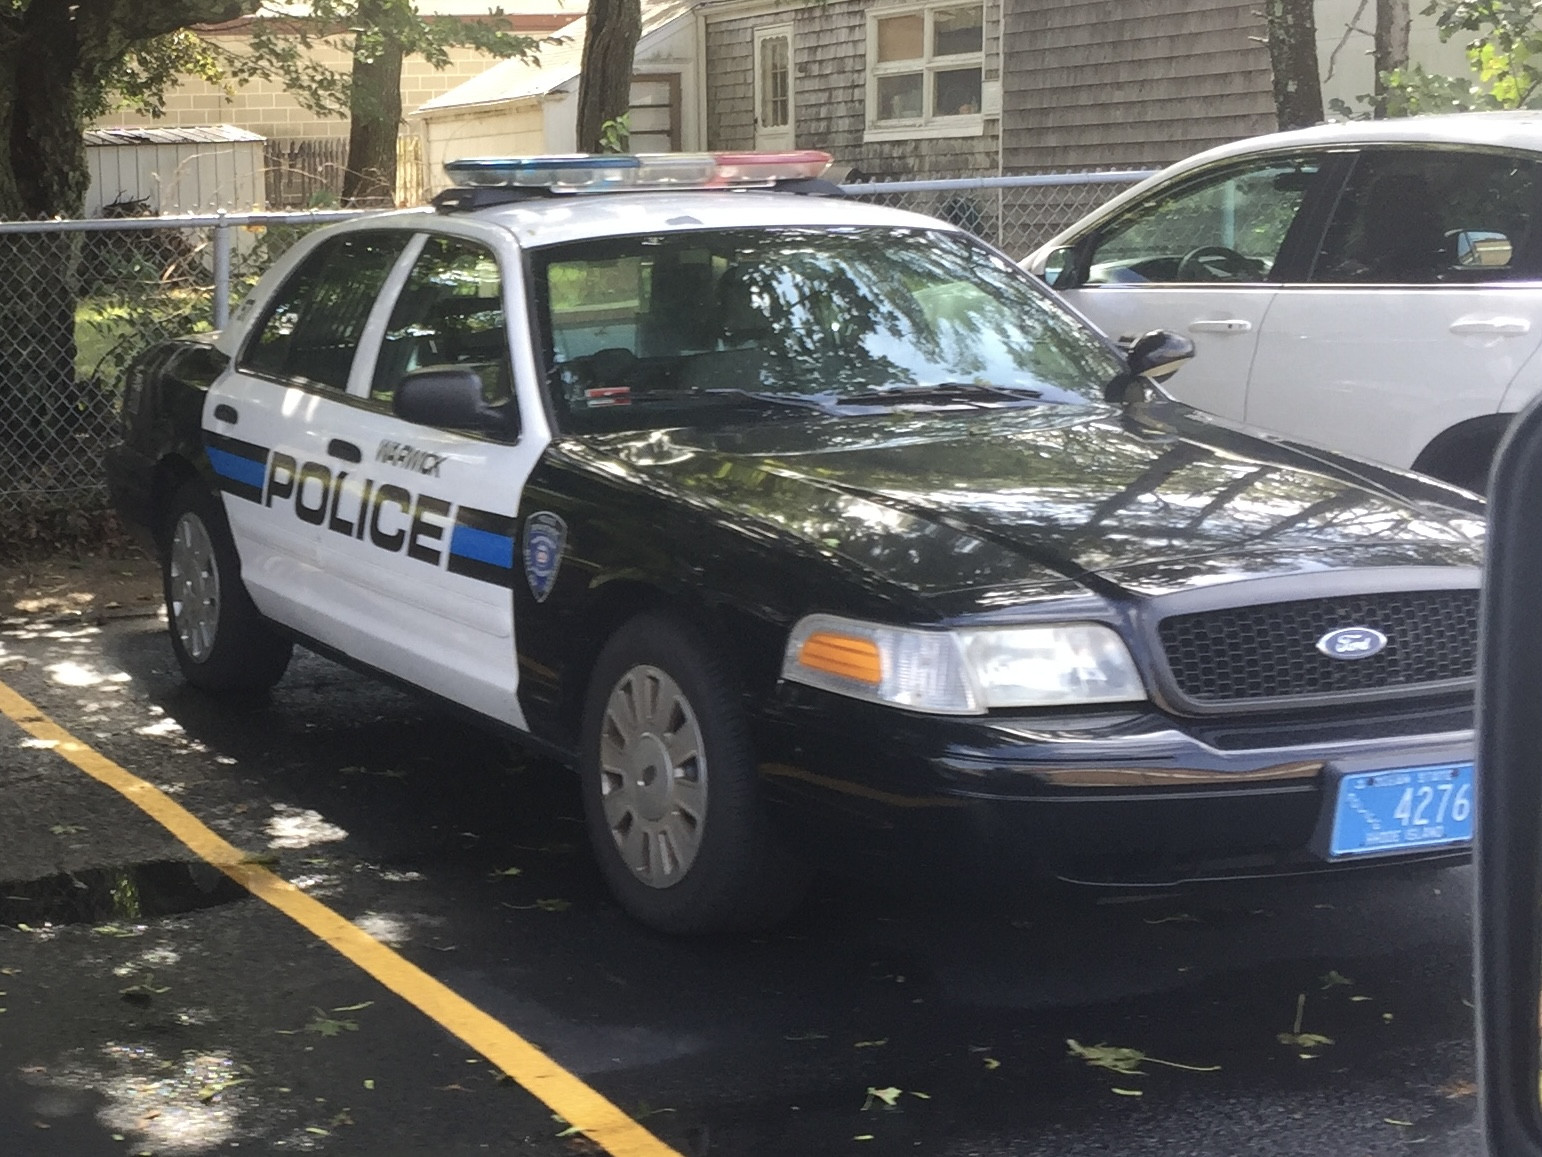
(1133, 798)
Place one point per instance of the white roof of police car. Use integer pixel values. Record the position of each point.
(581, 216)
(1512, 129)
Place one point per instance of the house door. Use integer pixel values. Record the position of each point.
(773, 87)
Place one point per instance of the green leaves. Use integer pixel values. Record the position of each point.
(1126, 1060)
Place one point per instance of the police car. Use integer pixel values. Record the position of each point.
(806, 529)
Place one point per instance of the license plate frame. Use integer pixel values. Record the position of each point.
(1374, 812)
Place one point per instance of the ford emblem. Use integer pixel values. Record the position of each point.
(1352, 643)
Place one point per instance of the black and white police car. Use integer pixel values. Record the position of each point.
(802, 527)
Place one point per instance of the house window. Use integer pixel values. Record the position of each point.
(925, 69)
(775, 83)
(653, 120)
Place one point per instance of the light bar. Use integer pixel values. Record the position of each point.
(611, 172)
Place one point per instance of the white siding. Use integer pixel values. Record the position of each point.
(177, 178)
(497, 131)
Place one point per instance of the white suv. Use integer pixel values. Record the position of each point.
(1374, 287)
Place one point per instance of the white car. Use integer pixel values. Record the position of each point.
(1373, 287)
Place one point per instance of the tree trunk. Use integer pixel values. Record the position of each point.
(605, 77)
(1391, 52)
(375, 116)
(1293, 55)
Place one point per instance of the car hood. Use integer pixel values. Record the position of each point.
(1146, 500)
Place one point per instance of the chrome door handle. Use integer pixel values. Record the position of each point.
(1505, 326)
(1224, 325)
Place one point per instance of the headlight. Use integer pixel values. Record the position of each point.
(963, 672)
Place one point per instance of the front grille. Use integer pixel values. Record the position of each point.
(1270, 651)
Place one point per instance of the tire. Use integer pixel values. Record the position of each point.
(221, 641)
(691, 850)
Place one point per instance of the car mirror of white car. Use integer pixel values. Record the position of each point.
(1061, 263)
(1508, 850)
(449, 397)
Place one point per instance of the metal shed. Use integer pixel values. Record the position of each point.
(175, 170)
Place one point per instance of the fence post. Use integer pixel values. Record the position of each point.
(221, 272)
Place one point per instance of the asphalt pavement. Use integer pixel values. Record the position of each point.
(152, 1006)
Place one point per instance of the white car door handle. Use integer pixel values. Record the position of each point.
(1495, 325)
(1223, 325)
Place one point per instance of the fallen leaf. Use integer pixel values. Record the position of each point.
(871, 1044)
(1125, 1060)
(1129, 1092)
(369, 1083)
(318, 1130)
(887, 1096)
(1334, 978)
(1395, 1121)
(1305, 1040)
(863, 1137)
(507, 872)
(1179, 918)
(923, 1096)
(67, 829)
(354, 1007)
(992, 1063)
(798, 1036)
(1360, 999)
(1459, 1089)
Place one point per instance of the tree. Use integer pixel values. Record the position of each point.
(378, 35)
(1292, 37)
(1505, 55)
(612, 30)
(1390, 51)
(60, 61)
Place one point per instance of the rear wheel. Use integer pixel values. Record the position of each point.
(221, 641)
(671, 794)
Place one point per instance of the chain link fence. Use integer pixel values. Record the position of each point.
(80, 299)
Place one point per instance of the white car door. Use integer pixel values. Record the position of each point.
(1418, 313)
(267, 422)
(1198, 257)
(422, 548)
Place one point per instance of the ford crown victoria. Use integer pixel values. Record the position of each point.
(804, 528)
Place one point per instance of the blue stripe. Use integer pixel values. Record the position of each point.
(493, 549)
(237, 468)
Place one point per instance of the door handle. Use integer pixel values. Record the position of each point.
(347, 451)
(1223, 325)
(1503, 326)
(224, 413)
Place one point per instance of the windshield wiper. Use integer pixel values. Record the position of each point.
(798, 401)
(970, 393)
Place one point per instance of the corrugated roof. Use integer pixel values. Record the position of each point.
(561, 54)
(203, 135)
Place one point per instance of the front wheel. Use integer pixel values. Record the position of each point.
(221, 641)
(671, 794)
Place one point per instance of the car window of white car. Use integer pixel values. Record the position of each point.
(1418, 316)
(1200, 258)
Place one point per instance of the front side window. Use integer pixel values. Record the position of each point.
(1226, 227)
(673, 329)
(1421, 216)
(312, 326)
(449, 313)
(925, 66)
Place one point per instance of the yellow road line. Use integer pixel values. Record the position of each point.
(566, 1095)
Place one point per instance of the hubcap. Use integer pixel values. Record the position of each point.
(653, 776)
(194, 587)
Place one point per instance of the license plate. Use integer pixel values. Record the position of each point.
(1413, 807)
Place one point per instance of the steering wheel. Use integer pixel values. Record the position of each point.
(1215, 263)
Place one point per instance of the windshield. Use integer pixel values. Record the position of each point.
(666, 329)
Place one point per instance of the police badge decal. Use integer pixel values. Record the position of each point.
(545, 534)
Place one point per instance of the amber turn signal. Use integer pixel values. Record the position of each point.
(843, 655)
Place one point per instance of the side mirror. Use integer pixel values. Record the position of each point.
(450, 397)
(1159, 353)
(1508, 847)
(1060, 266)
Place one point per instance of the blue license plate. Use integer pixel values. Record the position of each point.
(1413, 807)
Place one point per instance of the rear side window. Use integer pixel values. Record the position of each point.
(1426, 216)
(312, 327)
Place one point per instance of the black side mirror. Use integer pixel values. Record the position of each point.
(1159, 353)
(1508, 847)
(450, 397)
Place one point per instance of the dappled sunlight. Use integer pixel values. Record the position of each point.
(72, 674)
(386, 927)
(187, 1105)
(293, 827)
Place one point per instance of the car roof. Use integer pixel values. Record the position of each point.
(1521, 129)
(577, 217)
